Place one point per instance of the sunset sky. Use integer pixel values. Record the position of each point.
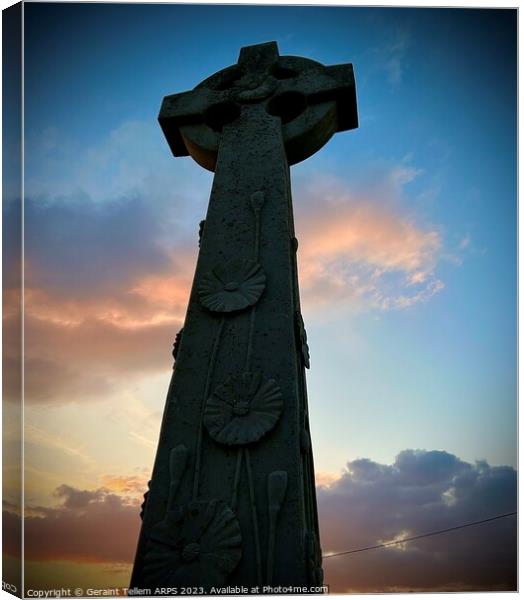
(407, 260)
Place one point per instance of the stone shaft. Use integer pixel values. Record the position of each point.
(217, 346)
(232, 496)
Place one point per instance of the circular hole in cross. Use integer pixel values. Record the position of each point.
(221, 114)
(287, 106)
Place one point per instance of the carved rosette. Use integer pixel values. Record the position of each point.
(197, 545)
(302, 339)
(232, 286)
(201, 227)
(243, 409)
(176, 345)
(144, 503)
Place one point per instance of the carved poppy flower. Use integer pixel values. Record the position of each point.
(243, 409)
(301, 334)
(198, 545)
(233, 285)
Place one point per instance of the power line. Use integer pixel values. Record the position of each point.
(418, 537)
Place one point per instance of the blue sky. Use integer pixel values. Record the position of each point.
(411, 325)
(436, 92)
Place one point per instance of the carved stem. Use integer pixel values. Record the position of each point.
(250, 337)
(210, 369)
(257, 234)
(234, 497)
(254, 516)
(257, 201)
(177, 466)
(271, 547)
(276, 491)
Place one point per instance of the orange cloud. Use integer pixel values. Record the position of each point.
(166, 294)
(149, 301)
(365, 232)
(354, 251)
(133, 485)
(76, 345)
(364, 251)
(94, 350)
(325, 479)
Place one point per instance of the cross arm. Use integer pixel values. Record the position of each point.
(186, 108)
(259, 56)
(323, 84)
(346, 96)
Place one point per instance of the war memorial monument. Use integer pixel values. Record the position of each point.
(232, 496)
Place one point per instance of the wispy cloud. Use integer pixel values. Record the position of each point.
(132, 485)
(41, 437)
(363, 249)
(131, 160)
(393, 56)
(102, 284)
(108, 276)
(105, 351)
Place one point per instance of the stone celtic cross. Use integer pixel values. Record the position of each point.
(232, 496)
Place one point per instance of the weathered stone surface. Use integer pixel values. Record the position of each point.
(237, 403)
(312, 101)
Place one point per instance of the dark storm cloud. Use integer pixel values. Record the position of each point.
(11, 531)
(371, 503)
(89, 526)
(77, 499)
(104, 289)
(81, 246)
(421, 492)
